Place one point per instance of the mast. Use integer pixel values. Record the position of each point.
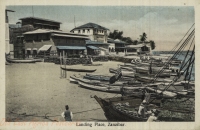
(32, 11)
(74, 22)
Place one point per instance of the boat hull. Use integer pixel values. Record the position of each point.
(78, 70)
(113, 114)
(20, 61)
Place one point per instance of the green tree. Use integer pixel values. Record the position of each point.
(152, 44)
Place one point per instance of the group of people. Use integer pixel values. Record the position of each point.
(143, 109)
(143, 112)
(144, 58)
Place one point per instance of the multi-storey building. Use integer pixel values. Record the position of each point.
(98, 37)
(40, 23)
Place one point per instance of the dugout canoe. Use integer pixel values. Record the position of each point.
(79, 70)
(97, 77)
(20, 61)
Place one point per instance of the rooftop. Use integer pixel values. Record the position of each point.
(90, 25)
(39, 19)
(39, 31)
(95, 42)
(116, 41)
(57, 33)
(52, 31)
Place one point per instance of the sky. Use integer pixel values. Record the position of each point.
(165, 25)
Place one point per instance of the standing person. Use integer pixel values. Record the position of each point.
(67, 115)
(152, 118)
(142, 109)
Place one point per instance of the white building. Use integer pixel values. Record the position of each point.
(98, 38)
(96, 32)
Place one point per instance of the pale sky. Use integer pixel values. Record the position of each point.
(165, 25)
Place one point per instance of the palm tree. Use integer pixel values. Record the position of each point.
(143, 37)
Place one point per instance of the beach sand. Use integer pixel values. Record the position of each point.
(36, 90)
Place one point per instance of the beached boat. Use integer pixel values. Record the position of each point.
(176, 104)
(156, 64)
(20, 61)
(98, 87)
(97, 77)
(91, 64)
(165, 94)
(79, 70)
(124, 108)
(75, 79)
(151, 70)
(150, 79)
(124, 72)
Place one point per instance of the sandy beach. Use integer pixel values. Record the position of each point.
(36, 90)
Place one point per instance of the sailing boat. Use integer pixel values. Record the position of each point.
(169, 105)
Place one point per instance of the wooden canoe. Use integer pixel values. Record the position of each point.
(92, 64)
(97, 77)
(20, 61)
(98, 87)
(79, 70)
(149, 79)
(75, 79)
(165, 94)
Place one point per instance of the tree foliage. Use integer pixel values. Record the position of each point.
(119, 35)
(152, 44)
(143, 37)
(116, 34)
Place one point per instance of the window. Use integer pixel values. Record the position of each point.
(88, 30)
(79, 31)
(72, 31)
(83, 30)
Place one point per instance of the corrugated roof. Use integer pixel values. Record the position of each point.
(71, 47)
(135, 46)
(55, 32)
(64, 35)
(117, 41)
(93, 47)
(103, 48)
(95, 42)
(45, 48)
(38, 31)
(90, 25)
(39, 19)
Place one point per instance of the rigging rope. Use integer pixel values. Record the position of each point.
(178, 51)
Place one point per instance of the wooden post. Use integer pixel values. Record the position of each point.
(63, 63)
(60, 66)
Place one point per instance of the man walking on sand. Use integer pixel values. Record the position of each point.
(67, 115)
